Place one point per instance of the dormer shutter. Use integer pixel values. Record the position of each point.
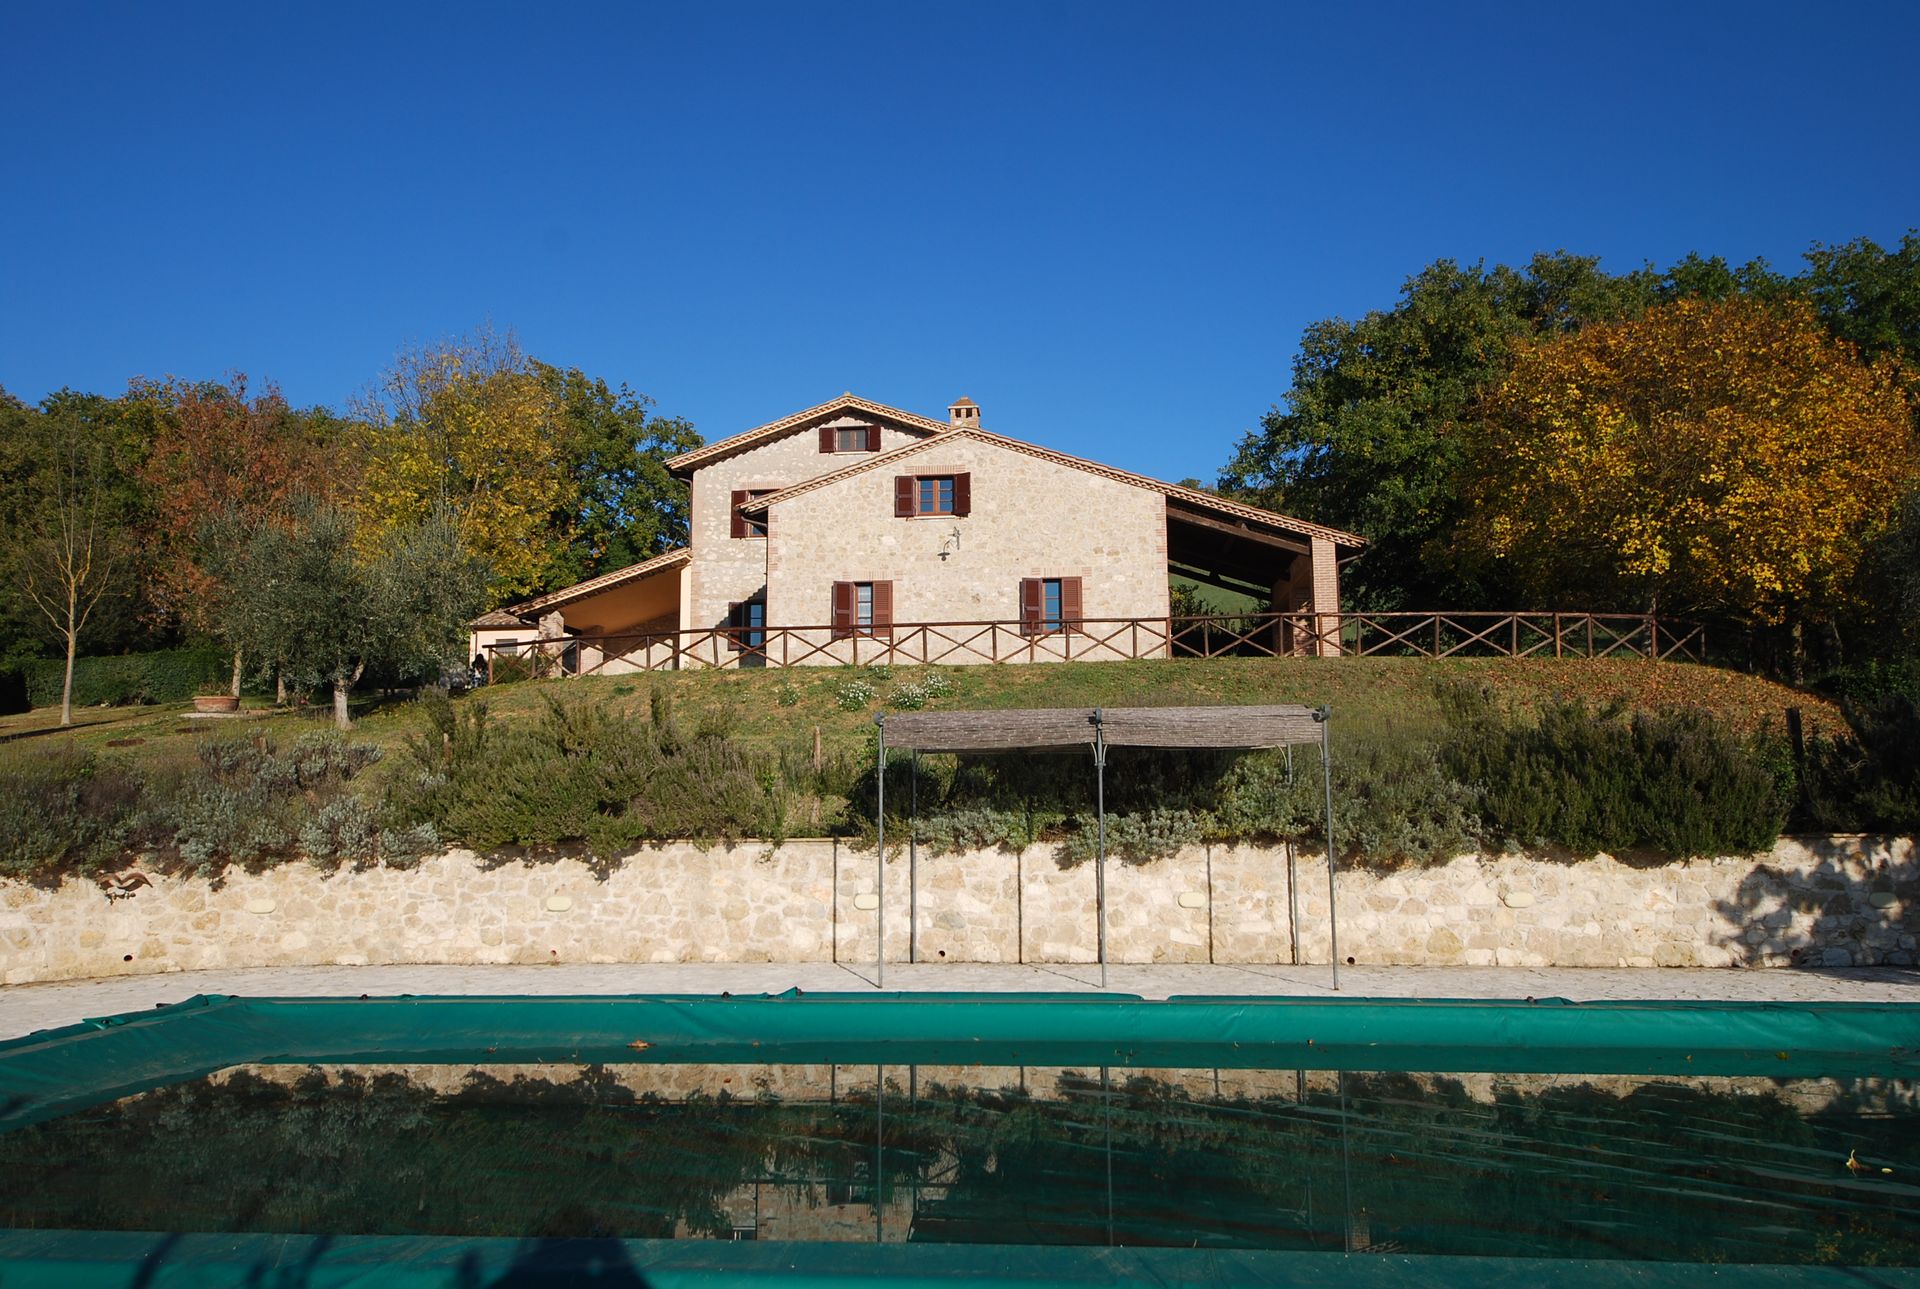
(905, 487)
(873, 438)
(740, 496)
(826, 438)
(962, 494)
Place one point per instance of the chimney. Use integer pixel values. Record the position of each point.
(964, 414)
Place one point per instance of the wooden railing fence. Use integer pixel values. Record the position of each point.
(1272, 635)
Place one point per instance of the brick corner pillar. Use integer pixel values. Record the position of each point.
(1326, 599)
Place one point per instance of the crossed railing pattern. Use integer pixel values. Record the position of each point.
(1273, 635)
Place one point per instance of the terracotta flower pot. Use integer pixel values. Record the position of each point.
(215, 703)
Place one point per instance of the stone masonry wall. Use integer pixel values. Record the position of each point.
(726, 568)
(1842, 901)
(1030, 518)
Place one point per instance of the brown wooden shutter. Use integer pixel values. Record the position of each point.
(883, 610)
(733, 625)
(962, 494)
(842, 619)
(826, 438)
(1071, 614)
(906, 490)
(873, 438)
(1033, 605)
(739, 520)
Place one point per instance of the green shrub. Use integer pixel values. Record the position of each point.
(583, 773)
(249, 801)
(1675, 783)
(1869, 781)
(166, 676)
(62, 811)
(1136, 838)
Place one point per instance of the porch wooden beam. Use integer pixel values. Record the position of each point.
(1232, 528)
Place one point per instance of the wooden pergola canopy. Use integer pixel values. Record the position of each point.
(1065, 729)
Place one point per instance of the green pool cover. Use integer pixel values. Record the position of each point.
(59, 1072)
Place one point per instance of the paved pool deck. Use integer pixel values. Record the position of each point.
(26, 1008)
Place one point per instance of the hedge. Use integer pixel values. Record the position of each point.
(163, 676)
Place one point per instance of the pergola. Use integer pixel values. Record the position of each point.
(1070, 729)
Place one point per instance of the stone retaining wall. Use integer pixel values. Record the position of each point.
(1839, 901)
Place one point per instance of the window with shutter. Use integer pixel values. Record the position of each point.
(749, 525)
(1049, 605)
(932, 494)
(746, 625)
(862, 608)
(856, 438)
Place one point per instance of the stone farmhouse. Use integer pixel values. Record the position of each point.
(856, 532)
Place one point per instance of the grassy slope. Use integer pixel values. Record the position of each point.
(784, 708)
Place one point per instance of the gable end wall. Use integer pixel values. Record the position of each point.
(725, 569)
(1030, 518)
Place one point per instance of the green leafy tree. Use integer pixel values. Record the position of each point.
(623, 506)
(1366, 438)
(316, 604)
(1869, 295)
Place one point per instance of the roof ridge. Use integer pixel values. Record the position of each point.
(786, 424)
(1174, 491)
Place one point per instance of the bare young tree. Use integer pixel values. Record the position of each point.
(75, 551)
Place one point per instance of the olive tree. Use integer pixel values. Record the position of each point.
(315, 603)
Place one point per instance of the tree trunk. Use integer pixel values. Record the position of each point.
(341, 686)
(279, 689)
(238, 659)
(66, 685)
(1799, 638)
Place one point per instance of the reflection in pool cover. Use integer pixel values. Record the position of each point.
(1747, 1170)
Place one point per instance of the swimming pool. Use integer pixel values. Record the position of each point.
(669, 1140)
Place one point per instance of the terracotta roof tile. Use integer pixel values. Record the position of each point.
(800, 420)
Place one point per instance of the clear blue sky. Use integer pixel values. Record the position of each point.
(1108, 223)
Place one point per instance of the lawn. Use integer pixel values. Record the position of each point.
(784, 708)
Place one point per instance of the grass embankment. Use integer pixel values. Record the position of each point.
(773, 710)
(1430, 757)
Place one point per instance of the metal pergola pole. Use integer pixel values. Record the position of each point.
(880, 850)
(1325, 716)
(1100, 814)
(913, 856)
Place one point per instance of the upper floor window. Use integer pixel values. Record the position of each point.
(936, 495)
(932, 494)
(749, 525)
(849, 438)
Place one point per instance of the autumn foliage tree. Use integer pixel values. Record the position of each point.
(1727, 457)
(218, 452)
(469, 430)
